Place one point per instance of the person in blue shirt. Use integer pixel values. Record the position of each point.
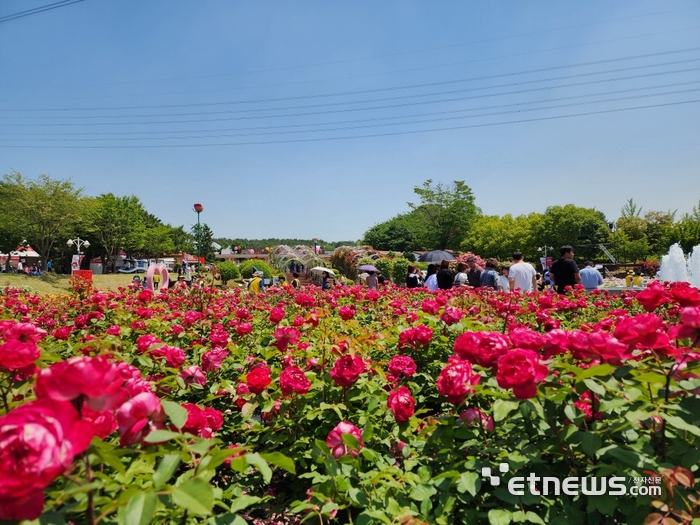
(590, 277)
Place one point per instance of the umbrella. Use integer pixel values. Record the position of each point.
(436, 256)
(367, 268)
(320, 269)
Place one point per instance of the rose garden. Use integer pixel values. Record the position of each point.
(347, 406)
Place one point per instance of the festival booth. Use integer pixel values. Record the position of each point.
(26, 255)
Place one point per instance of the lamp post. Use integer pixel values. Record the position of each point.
(198, 208)
(545, 248)
(78, 243)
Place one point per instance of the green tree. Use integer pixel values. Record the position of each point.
(687, 230)
(118, 223)
(401, 233)
(574, 225)
(203, 236)
(660, 231)
(446, 213)
(499, 237)
(42, 211)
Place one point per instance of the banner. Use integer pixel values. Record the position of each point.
(77, 261)
(546, 262)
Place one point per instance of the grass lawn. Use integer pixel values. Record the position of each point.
(51, 283)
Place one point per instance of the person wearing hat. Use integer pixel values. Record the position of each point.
(256, 284)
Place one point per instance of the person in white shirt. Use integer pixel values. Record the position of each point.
(522, 276)
(431, 281)
(503, 283)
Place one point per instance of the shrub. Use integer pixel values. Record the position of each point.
(229, 271)
(385, 266)
(400, 271)
(247, 268)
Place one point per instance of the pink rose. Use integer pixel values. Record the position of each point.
(138, 417)
(474, 417)
(285, 336)
(213, 359)
(38, 441)
(482, 348)
(335, 439)
(276, 314)
(20, 349)
(193, 374)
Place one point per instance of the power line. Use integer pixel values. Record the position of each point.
(393, 88)
(372, 108)
(38, 10)
(374, 135)
(364, 126)
(354, 121)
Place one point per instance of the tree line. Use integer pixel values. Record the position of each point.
(46, 212)
(447, 217)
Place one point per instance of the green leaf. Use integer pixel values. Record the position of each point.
(166, 468)
(158, 436)
(499, 517)
(595, 387)
(177, 414)
(681, 424)
(422, 492)
(651, 377)
(194, 495)
(533, 518)
(139, 510)
(594, 371)
(501, 408)
(280, 460)
(258, 462)
(590, 443)
(469, 482)
(350, 441)
(243, 502)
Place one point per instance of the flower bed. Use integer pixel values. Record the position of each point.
(353, 405)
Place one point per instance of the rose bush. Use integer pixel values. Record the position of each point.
(207, 406)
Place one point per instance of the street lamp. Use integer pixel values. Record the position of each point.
(78, 243)
(198, 208)
(545, 248)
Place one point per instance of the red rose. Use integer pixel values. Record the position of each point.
(653, 296)
(258, 379)
(144, 342)
(456, 381)
(423, 335)
(285, 336)
(335, 439)
(218, 336)
(93, 377)
(690, 325)
(520, 369)
(451, 315)
(38, 441)
(347, 370)
(685, 294)
(173, 356)
(292, 379)
(474, 417)
(276, 314)
(430, 306)
(346, 312)
(526, 338)
(482, 348)
(401, 403)
(193, 374)
(244, 328)
(402, 364)
(644, 331)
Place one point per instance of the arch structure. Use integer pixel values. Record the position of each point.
(354, 254)
(282, 255)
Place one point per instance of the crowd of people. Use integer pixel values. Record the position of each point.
(519, 275)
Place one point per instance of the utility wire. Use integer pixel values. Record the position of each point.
(38, 10)
(149, 134)
(376, 90)
(364, 126)
(372, 108)
(374, 135)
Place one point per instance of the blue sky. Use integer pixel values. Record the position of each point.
(311, 119)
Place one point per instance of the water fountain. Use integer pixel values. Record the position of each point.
(675, 267)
